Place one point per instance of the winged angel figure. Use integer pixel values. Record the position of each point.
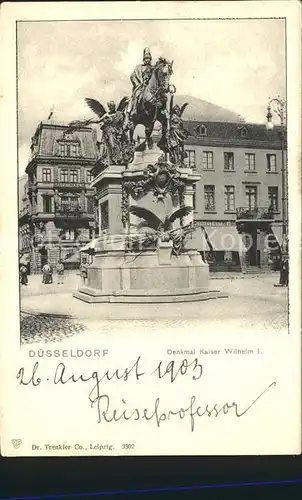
(116, 149)
(178, 134)
(163, 228)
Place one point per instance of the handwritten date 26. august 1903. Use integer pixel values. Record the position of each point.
(171, 371)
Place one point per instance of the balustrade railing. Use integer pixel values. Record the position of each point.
(259, 213)
(63, 184)
(69, 210)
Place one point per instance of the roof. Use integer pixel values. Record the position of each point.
(229, 131)
(48, 136)
(198, 109)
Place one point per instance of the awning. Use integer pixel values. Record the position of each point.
(90, 247)
(197, 241)
(72, 258)
(225, 238)
(24, 259)
(277, 230)
(105, 242)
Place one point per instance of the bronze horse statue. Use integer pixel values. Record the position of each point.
(152, 103)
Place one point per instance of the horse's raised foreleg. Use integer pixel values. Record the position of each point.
(131, 128)
(148, 132)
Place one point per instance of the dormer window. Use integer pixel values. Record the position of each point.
(69, 145)
(242, 131)
(69, 149)
(201, 130)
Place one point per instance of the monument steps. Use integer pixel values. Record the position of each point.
(147, 297)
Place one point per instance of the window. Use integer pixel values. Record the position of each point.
(89, 176)
(209, 198)
(271, 163)
(229, 198)
(251, 197)
(201, 130)
(273, 198)
(207, 160)
(104, 215)
(63, 149)
(73, 175)
(190, 158)
(46, 175)
(47, 204)
(69, 204)
(69, 149)
(74, 205)
(64, 175)
(69, 234)
(194, 197)
(74, 150)
(228, 161)
(250, 161)
(90, 205)
(64, 203)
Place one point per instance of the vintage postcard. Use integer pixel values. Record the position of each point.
(150, 223)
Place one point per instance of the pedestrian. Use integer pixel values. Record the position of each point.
(44, 273)
(285, 269)
(60, 272)
(50, 274)
(84, 273)
(47, 274)
(23, 275)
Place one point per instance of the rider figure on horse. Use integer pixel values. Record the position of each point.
(139, 79)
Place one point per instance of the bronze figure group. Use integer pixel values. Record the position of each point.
(151, 100)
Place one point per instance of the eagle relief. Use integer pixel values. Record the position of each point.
(161, 229)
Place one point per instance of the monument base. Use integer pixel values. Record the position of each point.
(92, 296)
(147, 277)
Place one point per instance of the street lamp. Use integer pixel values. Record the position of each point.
(278, 107)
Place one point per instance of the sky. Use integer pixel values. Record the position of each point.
(236, 64)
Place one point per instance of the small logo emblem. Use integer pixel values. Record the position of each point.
(16, 443)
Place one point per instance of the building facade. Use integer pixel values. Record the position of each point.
(239, 197)
(57, 212)
(237, 202)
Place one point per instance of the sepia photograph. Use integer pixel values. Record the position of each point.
(151, 229)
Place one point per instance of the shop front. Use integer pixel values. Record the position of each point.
(227, 249)
(262, 240)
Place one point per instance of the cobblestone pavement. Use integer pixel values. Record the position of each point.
(41, 327)
(72, 281)
(47, 328)
(251, 304)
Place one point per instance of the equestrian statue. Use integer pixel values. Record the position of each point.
(151, 100)
(148, 103)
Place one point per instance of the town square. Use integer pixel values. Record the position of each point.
(151, 231)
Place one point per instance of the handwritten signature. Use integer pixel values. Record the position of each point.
(108, 414)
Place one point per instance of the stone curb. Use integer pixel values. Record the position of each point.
(240, 277)
(56, 315)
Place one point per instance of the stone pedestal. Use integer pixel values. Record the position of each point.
(147, 277)
(153, 273)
